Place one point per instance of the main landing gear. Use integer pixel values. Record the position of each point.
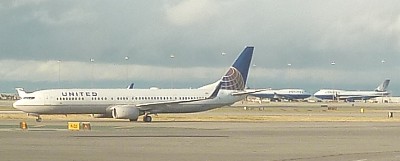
(147, 118)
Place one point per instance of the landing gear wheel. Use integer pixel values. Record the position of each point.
(39, 119)
(147, 118)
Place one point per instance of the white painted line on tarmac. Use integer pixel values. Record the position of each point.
(11, 112)
(361, 160)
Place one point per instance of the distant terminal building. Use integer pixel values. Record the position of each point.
(385, 100)
(5, 96)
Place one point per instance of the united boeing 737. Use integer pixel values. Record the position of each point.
(350, 96)
(130, 103)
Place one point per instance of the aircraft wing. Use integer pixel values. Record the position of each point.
(167, 102)
(155, 105)
(238, 93)
(282, 96)
(356, 97)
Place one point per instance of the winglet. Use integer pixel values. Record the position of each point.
(216, 91)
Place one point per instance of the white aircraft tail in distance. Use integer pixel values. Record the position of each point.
(130, 103)
(383, 86)
(351, 95)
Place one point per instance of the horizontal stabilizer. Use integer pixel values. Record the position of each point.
(245, 92)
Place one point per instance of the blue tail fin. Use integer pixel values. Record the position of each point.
(236, 77)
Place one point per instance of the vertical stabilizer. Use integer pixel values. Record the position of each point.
(21, 92)
(382, 87)
(131, 86)
(236, 77)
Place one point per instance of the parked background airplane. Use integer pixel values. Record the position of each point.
(130, 103)
(334, 94)
(282, 94)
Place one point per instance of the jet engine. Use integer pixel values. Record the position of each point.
(125, 112)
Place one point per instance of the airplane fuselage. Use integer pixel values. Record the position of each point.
(349, 95)
(290, 94)
(98, 101)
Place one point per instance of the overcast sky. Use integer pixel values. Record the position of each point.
(362, 37)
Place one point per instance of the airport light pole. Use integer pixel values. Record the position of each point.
(383, 65)
(383, 61)
(333, 83)
(127, 70)
(254, 71)
(172, 70)
(59, 73)
(289, 72)
(91, 72)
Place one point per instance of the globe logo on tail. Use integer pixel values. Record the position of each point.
(232, 80)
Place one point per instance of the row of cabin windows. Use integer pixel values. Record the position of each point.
(126, 98)
(70, 98)
(167, 98)
(296, 91)
(99, 98)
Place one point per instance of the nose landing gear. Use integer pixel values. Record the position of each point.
(38, 119)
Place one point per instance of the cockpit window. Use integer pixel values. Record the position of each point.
(29, 98)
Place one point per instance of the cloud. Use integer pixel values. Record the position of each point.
(21, 3)
(21, 70)
(73, 16)
(357, 35)
(191, 12)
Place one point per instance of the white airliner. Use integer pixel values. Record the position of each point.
(130, 103)
(350, 96)
(280, 94)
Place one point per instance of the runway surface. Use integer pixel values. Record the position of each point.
(189, 140)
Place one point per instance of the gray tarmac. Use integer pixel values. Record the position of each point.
(201, 140)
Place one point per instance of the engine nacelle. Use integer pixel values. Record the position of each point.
(125, 112)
